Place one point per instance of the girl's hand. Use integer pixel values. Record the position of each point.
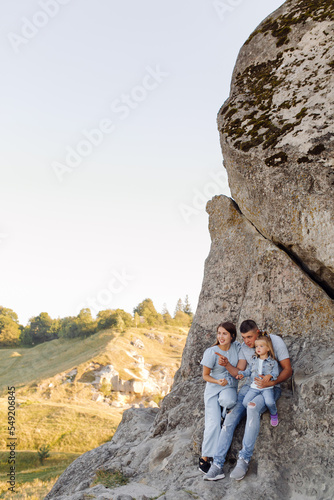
(222, 382)
(239, 376)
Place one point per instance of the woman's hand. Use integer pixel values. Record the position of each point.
(239, 376)
(222, 382)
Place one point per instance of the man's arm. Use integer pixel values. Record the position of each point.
(284, 375)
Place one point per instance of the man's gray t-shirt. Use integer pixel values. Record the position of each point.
(280, 350)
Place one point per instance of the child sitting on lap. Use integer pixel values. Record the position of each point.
(262, 363)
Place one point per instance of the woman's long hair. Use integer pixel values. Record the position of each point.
(230, 327)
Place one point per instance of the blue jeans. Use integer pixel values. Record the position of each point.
(251, 430)
(266, 394)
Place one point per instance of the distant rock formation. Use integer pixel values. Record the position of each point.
(271, 259)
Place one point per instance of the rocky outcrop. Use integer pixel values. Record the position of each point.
(245, 275)
(262, 264)
(277, 133)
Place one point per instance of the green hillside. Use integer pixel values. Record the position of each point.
(57, 404)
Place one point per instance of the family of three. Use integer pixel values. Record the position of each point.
(264, 359)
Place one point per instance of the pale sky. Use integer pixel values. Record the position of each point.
(110, 147)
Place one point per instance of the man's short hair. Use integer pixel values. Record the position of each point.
(248, 325)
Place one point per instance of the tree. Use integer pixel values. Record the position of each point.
(86, 324)
(114, 319)
(9, 332)
(43, 453)
(166, 316)
(41, 328)
(179, 307)
(187, 306)
(9, 313)
(182, 319)
(148, 311)
(136, 319)
(106, 319)
(82, 325)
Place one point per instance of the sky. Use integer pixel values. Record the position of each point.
(110, 148)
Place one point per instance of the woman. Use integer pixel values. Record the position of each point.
(220, 390)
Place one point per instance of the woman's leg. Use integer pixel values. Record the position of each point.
(228, 397)
(230, 423)
(212, 425)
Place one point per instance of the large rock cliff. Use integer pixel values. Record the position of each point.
(277, 133)
(271, 260)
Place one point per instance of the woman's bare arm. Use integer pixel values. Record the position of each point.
(207, 377)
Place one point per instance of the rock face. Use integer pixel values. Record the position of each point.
(277, 133)
(263, 264)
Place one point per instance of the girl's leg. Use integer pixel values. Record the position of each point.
(212, 425)
(251, 394)
(268, 396)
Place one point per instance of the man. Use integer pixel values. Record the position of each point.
(249, 332)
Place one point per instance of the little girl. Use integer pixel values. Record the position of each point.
(220, 390)
(262, 363)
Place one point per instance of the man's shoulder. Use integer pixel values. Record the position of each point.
(280, 348)
(276, 339)
(247, 351)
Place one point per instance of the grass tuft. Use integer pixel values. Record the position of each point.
(110, 479)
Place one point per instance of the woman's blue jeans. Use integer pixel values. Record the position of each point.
(252, 427)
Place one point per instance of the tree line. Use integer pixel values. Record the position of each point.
(43, 328)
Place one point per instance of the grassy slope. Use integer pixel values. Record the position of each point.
(33, 480)
(47, 360)
(64, 416)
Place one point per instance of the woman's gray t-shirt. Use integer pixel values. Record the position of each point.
(210, 359)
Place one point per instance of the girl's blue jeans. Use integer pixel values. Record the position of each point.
(255, 395)
(252, 427)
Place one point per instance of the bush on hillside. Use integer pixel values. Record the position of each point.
(10, 330)
(118, 319)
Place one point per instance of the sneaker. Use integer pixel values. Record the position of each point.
(239, 470)
(214, 473)
(274, 420)
(204, 465)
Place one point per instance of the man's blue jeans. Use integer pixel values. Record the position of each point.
(252, 427)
